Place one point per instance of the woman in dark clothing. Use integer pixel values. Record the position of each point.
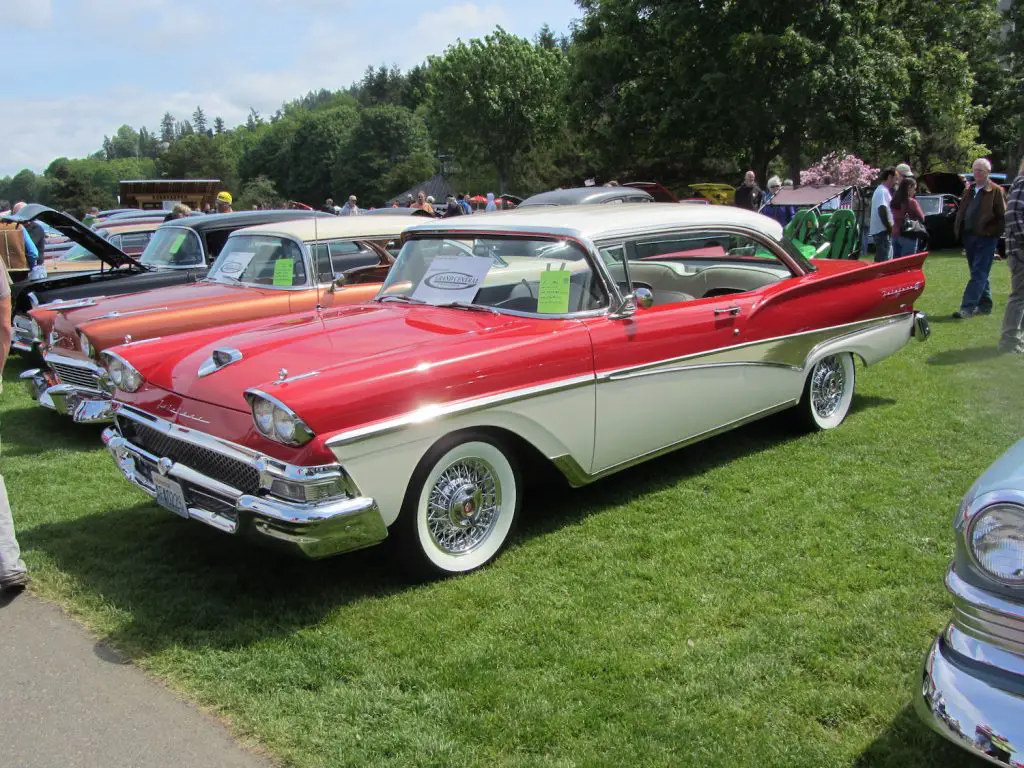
(904, 207)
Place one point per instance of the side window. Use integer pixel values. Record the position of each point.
(215, 240)
(115, 240)
(335, 258)
(698, 264)
(135, 243)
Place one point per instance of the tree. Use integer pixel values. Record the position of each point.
(313, 151)
(24, 186)
(197, 156)
(218, 125)
(546, 39)
(167, 128)
(258, 192)
(254, 120)
(501, 96)
(199, 120)
(835, 168)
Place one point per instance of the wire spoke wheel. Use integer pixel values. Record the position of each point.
(828, 383)
(463, 506)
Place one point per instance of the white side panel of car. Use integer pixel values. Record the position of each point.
(557, 424)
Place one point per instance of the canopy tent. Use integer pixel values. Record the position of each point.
(437, 186)
(717, 194)
(808, 196)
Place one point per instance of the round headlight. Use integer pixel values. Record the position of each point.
(116, 370)
(284, 425)
(131, 379)
(263, 415)
(997, 542)
(87, 348)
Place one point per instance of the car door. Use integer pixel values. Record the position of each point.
(677, 370)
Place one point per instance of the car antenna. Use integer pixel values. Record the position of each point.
(316, 261)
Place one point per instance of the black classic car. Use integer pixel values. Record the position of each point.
(179, 251)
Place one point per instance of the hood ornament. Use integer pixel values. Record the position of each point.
(218, 359)
(282, 374)
(127, 338)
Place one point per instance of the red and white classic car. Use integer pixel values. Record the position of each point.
(589, 337)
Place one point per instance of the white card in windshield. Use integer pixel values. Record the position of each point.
(235, 263)
(452, 278)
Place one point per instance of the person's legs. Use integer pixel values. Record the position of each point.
(983, 266)
(12, 569)
(883, 246)
(976, 249)
(897, 247)
(1012, 337)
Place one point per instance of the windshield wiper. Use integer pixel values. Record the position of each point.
(466, 305)
(400, 297)
(218, 278)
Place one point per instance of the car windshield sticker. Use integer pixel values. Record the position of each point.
(283, 271)
(452, 278)
(236, 263)
(177, 241)
(553, 294)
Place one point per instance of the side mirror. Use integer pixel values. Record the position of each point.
(644, 298)
(640, 298)
(339, 282)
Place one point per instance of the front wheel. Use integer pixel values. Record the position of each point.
(460, 508)
(828, 392)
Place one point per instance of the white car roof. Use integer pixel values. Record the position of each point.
(598, 222)
(334, 227)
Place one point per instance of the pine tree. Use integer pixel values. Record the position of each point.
(167, 126)
(254, 119)
(199, 120)
(218, 125)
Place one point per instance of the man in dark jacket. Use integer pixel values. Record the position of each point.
(1011, 341)
(748, 195)
(980, 219)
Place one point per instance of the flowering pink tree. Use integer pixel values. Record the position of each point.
(845, 170)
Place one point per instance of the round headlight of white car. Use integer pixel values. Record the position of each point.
(263, 415)
(86, 345)
(997, 542)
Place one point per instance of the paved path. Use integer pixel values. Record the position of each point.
(64, 703)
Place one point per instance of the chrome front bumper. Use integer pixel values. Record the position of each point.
(972, 684)
(82, 405)
(312, 529)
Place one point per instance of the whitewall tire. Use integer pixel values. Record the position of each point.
(828, 392)
(461, 506)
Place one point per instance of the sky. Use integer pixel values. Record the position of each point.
(79, 69)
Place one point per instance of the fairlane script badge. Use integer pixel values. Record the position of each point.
(893, 292)
(163, 406)
(452, 278)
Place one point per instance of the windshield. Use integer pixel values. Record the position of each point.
(930, 204)
(77, 253)
(173, 247)
(264, 260)
(547, 277)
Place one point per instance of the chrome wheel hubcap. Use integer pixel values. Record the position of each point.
(828, 383)
(464, 505)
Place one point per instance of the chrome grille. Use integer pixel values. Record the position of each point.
(76, 376)
(197, 497)
(210, 463)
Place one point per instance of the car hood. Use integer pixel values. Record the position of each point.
(944, 183)
(74, 230)
(366, 351)
(1006, 473)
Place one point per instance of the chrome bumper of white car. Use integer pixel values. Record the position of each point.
(315, 529)
(972, 684)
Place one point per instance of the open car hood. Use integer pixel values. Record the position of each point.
(76, 231)
(940, 182)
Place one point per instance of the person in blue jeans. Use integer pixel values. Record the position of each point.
(981, 218)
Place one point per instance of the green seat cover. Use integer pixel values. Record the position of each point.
(841, 234)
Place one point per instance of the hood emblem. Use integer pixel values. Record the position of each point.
(181, 414)
(218, 359)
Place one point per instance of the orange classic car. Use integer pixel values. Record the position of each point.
(262, 272)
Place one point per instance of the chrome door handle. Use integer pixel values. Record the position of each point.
(731, 311)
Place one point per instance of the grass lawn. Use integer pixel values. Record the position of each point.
(757, 599)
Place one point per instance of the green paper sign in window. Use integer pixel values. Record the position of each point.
(283, 271)
(177, 241)
(553, 294)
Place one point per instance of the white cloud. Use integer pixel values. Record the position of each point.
(333, 54)
(34, 15)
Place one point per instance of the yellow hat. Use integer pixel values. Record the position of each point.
(224, 197)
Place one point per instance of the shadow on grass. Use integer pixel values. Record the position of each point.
(33, 430)
(183, 584)
(960, 356)
(908, 741)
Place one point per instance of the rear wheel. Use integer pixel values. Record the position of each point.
(828, 392)
(460, 508)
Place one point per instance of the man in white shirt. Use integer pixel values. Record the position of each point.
(880, 229)
(351, 208)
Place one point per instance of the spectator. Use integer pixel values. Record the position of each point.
(491, 205)
(224, 202)
(179, 211)
(206, 208)
(774, 185)
(38, 234)
(421, 202)
(463, 201)
(902, 172)
(748, 195)
(880, 228)
(350, 208)
(452, 208)
(90, 216)
(394, 203)
(5, 207)
(980, 220)
(905, 207)
(22, 254)
(328, 206)
(409, 200)
(788, 183)
(13, 576)
(1012, 338)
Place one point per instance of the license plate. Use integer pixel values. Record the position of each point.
(170, 496)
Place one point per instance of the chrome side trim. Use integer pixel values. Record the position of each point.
(296, 377)
(116, 313)
(702, 366)
(578, 476)
(432, 412)
(60, 304)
